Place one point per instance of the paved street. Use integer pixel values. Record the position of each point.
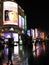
(16, 61)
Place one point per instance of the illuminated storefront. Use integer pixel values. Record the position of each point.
(38, 44)
(12, 23)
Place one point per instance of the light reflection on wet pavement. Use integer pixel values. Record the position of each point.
(19, 59)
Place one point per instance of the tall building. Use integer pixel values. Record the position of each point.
(12, 23)
(15, 24)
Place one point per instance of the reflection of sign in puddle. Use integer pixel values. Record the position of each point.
(16, 50)
(21, 48)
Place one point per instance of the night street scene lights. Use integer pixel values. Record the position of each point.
(14, 30)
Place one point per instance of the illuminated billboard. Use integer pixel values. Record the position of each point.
(10, 13)
(20, 21)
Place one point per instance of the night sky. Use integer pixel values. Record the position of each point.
(37, 14)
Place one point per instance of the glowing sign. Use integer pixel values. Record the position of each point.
(28, 32)
(10, 13)
(19, 21)
(32, 33)
(42, 35)
(36, 33)
(22, 22)
(15, 36)
(7, 35)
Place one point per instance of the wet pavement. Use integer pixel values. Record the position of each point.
(19, 59)
(26, 57)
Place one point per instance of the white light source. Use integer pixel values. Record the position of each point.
(12, 29)
(16, 50)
